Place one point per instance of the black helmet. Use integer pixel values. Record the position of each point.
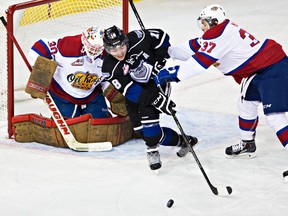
(114, 37)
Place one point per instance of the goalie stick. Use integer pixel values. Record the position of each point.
(57, 116)
(216, 191)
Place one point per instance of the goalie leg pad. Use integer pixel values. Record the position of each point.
(116, 130)
(40, 77)
(36, 128)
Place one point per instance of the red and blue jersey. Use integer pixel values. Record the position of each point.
(77, 77)
(235, 52)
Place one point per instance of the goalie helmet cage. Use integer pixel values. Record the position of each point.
(29, 21)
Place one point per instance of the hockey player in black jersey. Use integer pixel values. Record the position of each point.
(131, 61)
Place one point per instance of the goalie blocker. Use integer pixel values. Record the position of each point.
(40, 77)
(36, 128)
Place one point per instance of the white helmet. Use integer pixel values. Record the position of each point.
(92, 42)
(214, 14)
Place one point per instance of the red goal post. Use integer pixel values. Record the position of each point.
(29, 21)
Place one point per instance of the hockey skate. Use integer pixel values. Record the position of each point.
(184, 149)
(245, 149)
(153, 157)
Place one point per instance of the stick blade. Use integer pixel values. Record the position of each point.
(229, 190)
(91, 147)
(224, 191)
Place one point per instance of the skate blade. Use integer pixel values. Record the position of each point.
(248, 155)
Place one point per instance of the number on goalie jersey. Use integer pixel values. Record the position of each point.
(76, 86)
(261, 67)
(129, 65)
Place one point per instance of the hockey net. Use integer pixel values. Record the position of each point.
(32, 20)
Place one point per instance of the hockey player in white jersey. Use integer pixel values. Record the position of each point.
(261, 67)
(76, 86)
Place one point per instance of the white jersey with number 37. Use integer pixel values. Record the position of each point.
(233, 50)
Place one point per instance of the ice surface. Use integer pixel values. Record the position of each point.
(41, 180)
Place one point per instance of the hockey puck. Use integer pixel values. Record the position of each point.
(170, 203)
(285, 174)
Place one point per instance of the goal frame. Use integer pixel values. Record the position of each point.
(10, 50)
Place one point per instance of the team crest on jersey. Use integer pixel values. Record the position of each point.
(125, 69)
(142, 73)
(78, 62)
(82, 80)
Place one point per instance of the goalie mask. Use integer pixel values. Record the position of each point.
(214, 14)
(92, 42)
(114, 38)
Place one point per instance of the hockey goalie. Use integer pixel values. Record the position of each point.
(69, 68)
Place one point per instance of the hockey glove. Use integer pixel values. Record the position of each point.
(168, 75)
(164, 104)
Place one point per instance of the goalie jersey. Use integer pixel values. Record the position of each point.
(77, 77)
(133, 76)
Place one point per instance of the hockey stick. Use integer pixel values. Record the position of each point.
(136, 14)
(215, 191)
(57, 116)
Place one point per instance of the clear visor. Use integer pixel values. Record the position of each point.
(203, 23)
(199, 23)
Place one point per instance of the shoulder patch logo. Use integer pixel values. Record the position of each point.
(125, 69)
(78, 62)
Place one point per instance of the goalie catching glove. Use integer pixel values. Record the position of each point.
(164, 104)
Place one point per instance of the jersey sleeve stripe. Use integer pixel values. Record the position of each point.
(41, 49)
(194, 45)
(203, 59)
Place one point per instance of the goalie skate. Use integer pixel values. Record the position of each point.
(245, 149)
